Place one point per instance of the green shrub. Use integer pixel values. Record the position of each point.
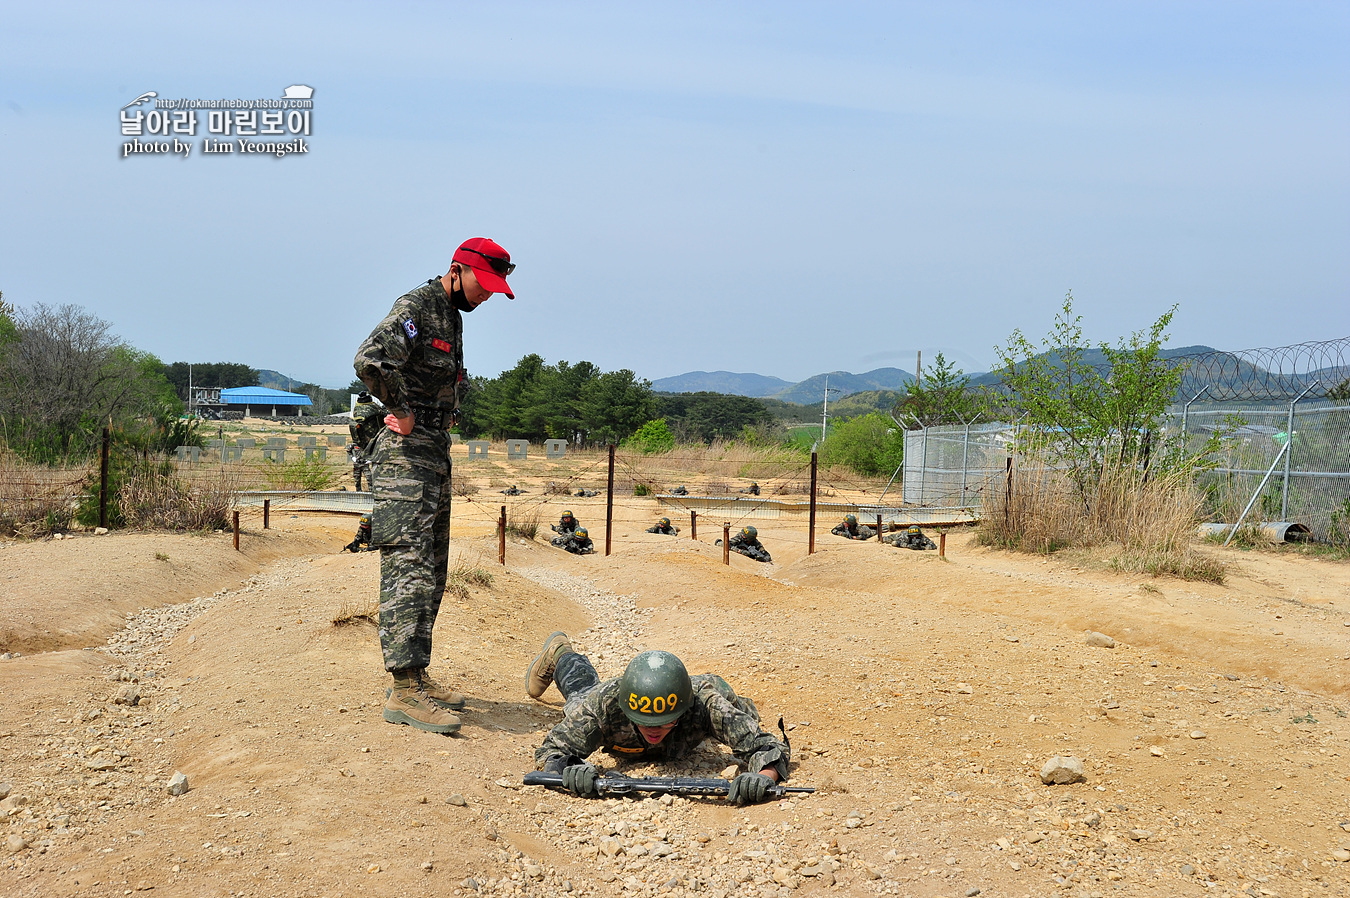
(870, 445)
(651, 438)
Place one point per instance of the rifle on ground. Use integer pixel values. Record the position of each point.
(614, 784)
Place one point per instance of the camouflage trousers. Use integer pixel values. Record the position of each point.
(411, 527)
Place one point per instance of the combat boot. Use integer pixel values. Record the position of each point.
(442, 696)
(446, 698)
(540, 672)
(409, 703)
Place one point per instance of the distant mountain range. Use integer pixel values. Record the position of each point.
(764, 387)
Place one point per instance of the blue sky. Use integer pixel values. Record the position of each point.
(783, 188)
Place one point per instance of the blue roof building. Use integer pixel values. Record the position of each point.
(264, 401)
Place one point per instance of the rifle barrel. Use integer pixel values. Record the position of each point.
(678, 785)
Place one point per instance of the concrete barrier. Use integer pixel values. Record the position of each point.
(517, 450)
(555, 448)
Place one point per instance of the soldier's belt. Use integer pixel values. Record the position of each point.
(431, 418)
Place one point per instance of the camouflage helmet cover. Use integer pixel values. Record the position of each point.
(655, 689)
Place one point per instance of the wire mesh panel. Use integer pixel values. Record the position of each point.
(952, 465)
(1309, 474)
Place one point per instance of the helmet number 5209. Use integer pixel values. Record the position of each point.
(648, 705)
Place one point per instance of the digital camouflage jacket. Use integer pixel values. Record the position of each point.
(415, 356)
(595, 720)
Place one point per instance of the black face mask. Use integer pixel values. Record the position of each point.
(458, 301)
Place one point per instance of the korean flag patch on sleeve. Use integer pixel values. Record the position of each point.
(410, 329)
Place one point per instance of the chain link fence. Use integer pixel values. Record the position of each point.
(1307, 478)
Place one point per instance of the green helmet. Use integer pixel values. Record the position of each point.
(914, 530)
(655, 689)
(580, 532)
(566, 514)
(851, 520)
(665, 522)
(749, 532)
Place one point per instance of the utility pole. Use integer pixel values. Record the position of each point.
(189, 411)
(918, 368)
(825, 409)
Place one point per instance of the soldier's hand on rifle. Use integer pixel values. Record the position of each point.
(580, 779)
(749, 788)
(399, 425)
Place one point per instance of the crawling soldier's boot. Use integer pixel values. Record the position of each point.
(540, 672)
(408, 702)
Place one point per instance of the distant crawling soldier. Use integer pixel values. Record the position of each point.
(362, 541)
(664, 526)
(912, 538)
(747, 543)
(513, 491)
(679, 491)
(566, 524)
(752, 489)
(849, 528)
(654, 712)
(575, 541)
(587, 494)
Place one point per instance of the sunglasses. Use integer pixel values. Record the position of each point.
(502, 267)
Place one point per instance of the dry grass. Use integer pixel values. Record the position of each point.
(153, 499)
(36, 500)
(365, 611)
(523, 524)
(1151, 520)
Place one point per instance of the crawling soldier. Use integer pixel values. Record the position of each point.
(654, 712)
(912, 538)
(849, 528)
(664, 526)
(747, 543)
(575, 541)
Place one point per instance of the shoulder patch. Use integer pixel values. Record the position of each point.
(440, 344)
(410, 329)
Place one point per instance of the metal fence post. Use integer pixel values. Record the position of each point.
(923, 470)
(1185, 412)
(965, 456)
(693, 524)
(811, 538)
(103, 482)
(501, 537)
(609, 501)
(1289, 441)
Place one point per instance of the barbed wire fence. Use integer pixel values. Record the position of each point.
(1282, 416)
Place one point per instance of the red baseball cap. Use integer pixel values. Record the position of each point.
(490, 263)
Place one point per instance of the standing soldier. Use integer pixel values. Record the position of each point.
(413, 363)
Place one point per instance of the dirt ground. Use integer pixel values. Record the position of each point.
(922, 697)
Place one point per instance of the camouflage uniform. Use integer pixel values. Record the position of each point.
(564, 526)
(413, 362)
(593, 718)
(667, 529)
(577, 545)
(857, 531)
(679, 491)
(362, 540)
(903, 540)
(750, 548)
(359, 463)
